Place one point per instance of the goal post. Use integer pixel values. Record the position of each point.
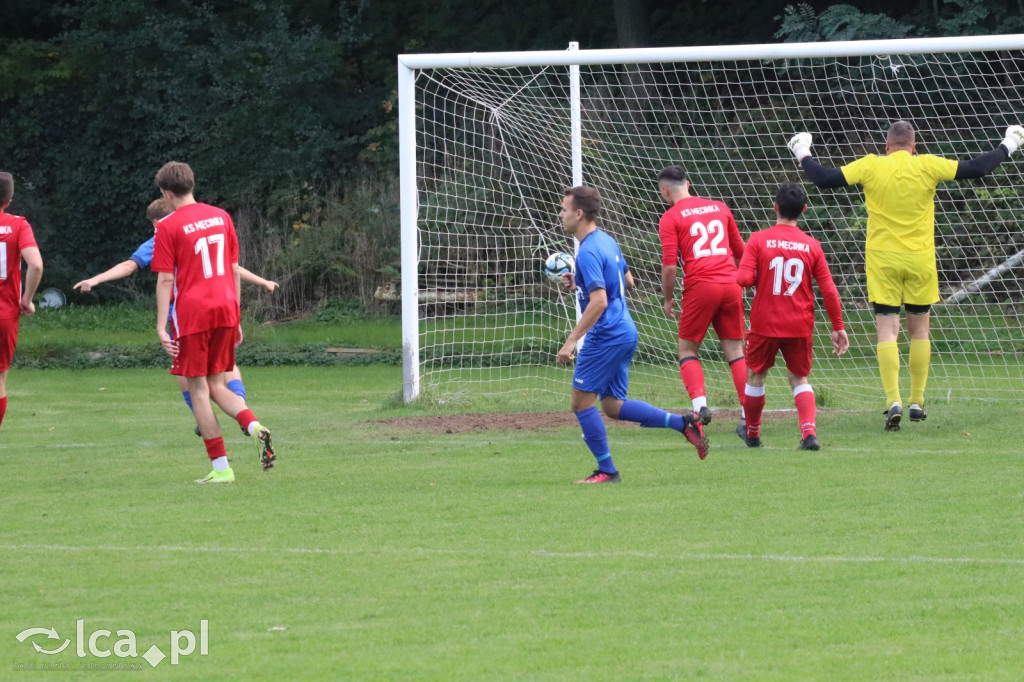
(488, 142)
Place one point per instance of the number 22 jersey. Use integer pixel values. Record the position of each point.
(703, 233)
(198, 244)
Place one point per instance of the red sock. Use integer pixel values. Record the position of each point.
(806, 411)
(3, 408)
(692, 375)
(754, 405)
(738, 367)
(246, 417)
(215, 447)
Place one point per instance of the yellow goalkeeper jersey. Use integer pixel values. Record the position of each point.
(899, 190)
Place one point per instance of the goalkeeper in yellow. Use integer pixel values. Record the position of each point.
(899, 253)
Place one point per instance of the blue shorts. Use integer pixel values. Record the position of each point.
(604, 370)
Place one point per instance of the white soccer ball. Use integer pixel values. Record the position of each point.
(558, 264)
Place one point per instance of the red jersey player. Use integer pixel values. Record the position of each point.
(16, 243)
(703, 234)
(196, 256)
(780, 262)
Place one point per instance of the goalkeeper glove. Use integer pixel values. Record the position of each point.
(800, 145)
(1014, 139)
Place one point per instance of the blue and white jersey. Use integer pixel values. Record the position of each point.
(143, 255)
(601, 265)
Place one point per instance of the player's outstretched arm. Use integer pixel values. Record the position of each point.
(822, 176)
(252, 278)
(119, 271)
(33, 275)
(981, 166)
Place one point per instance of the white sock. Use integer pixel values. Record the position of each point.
(700, 402)
(251, 428)
(221, 463)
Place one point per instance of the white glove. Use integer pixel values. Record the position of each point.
(1014, 139)
(800, 145)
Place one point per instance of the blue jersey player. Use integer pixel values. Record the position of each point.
(141, 258)
(602, 366)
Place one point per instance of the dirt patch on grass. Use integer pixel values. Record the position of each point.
(512, 421)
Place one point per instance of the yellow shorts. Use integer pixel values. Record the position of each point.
(897, 278)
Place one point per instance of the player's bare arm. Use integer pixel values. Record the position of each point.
(668, 289)
(252, 278)
(33, 275)
(598, 304)
(120, 271)
(164, 288)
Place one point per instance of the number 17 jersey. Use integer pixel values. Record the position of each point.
(703, 234)
(198, 244)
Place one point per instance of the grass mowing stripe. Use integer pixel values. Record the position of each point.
(540, 552)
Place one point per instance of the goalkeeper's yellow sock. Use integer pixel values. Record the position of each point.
(889, 370)
(920, 359)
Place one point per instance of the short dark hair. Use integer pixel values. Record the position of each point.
(791, 200)
(177, 178)
(901, 134)
(673, 175)
(586, 199)
(6, 187)
(159, 209)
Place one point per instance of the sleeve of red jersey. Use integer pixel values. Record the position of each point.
(669, 241)
(233, 253)
(747, 274)
(163, 251)
(827, 287)
(735, 239)
(26, 238)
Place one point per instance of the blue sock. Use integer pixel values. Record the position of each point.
(187, 395)
(237, 387)
(650, 416)
(596, 438)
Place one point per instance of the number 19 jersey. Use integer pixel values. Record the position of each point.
(198, 244)
(781, 262)
(704, 235)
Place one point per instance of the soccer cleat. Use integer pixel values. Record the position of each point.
(694, 432)
(892, 417)
(917, 413)
(602, 477)
(703, 415)
(741, 428)
(261, 436)
(226, 476)
(754, 442)
(809, 443)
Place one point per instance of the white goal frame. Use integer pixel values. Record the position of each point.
(409, 65)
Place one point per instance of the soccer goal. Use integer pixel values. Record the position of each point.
(489, 142)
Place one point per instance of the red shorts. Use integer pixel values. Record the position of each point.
(8, 341)
(760, 352)
(206, 353)
(708, 304)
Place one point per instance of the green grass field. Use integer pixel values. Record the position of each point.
(375, 552)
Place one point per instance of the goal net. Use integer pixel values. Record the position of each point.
(490, 142)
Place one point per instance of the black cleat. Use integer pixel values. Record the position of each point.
(809, 443)
(754, 442)
(917, 413)
(741, 429)
(703, 415)
(892, 417)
